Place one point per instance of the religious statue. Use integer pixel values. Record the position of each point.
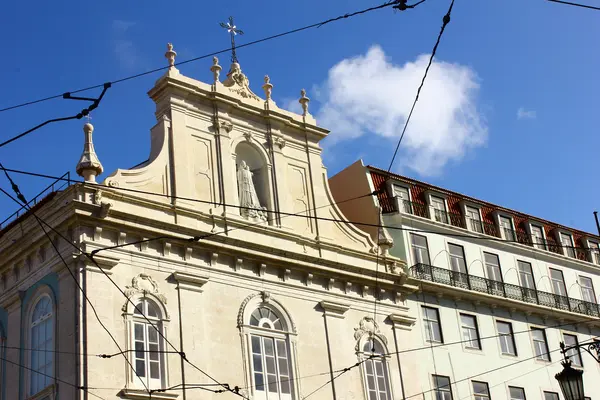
(249, 202)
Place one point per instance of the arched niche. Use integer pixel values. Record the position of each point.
(257, 165)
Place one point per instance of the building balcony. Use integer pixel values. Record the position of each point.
(501, 289)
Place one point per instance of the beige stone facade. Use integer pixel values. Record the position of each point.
(287, 293)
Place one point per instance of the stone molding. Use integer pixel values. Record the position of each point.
(401, 321)
(332, 309)
(190, 282)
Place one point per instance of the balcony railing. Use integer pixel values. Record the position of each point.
(501, 289)
(413, 208)
(448, 218)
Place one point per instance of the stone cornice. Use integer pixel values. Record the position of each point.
(332, 309)
(402, 321)
(190, 282)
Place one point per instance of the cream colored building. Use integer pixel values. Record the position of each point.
(275, 297)
(498, 289)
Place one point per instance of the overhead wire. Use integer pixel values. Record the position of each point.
(214, 53)
(569, 3)
(298, 214)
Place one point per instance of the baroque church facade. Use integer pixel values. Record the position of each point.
(220, 267)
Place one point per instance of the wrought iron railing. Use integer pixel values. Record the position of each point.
(448, 218)
(501, 289)
(413, 208)
(57, 185)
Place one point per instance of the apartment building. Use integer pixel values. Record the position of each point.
(498, 289)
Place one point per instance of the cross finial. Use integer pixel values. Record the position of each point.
(232, 29)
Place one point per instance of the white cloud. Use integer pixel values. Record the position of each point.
(291, 105)
(121, 26)
(525, 114)
(368, 94)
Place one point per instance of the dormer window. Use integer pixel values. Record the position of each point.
(506, 227)
(537, 237)
(473, 219)
(438, 208)
(402, 195)
(566, 241)
(594, 250)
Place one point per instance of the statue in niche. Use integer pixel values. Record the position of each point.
(248, 197)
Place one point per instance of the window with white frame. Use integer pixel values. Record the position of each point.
(537, 237)
(404, 198)
(506, 227)
(526, 280)
(420, 250)
(470, 331)
(271, 359)
(566, 240)
(438, 205)
(481, 390)
(507, 338)
(473, 219)
(457, 258)
(147, 341)
(573, 352)
(587, 289)
(540, 344)
(441, 387)
(550, 396)
(594, 248)
(431, 321)
(492, 267)
(376, 371)
(41, 344)
(558, 282)
(516, 393)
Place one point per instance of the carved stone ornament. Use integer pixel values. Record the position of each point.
(266, 298)
(248, 135)
(238, 83)
(279, 141)
(367, 326)
(226, 125)
(144, 283)
(215, 69)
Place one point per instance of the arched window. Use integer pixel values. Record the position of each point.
(147, 343)
(41, 344)
(375, 370)
(271, 362)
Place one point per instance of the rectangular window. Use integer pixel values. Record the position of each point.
(526, 275)
(481, 390)
(439, 209)
(470, 331)
(540, 344)
(420, 249)
(537, 236)
(516, 393)
(567, 242)
(377, 382)
(587, 289)
(431, 322)
(441, 387)
(558, 282)
(594, 252)
(492, 266)
(402, 193)
(507, 228)
(473, 219)
(574, 354)
(507, 338)
(457, 258)
(550, 396)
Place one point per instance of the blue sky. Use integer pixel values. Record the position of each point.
(510, 114)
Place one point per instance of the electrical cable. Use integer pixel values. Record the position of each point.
(214, 53)
(448, 234)
(445, 21)
(568, 3)
(85, 389)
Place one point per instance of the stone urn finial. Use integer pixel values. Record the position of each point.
(89, 165)
(216, 70)
(267, 87)
(170, 55)
(304, 102)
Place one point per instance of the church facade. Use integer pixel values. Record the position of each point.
(220, 267)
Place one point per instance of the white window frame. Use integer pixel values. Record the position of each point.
(426, 321)
(522, 389)
(162, 323)
(590, 288)
(510, 336)
(288, 334)
(48, 392)
(469, 226)
(467, 330)
(379, 358)
(574, 353)
(501, 228)
(544, 244)
(412, 246)
(399, 201)
(545, 353)
(436, 390)
(441, 197)
(570, 247)
(594, 251)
